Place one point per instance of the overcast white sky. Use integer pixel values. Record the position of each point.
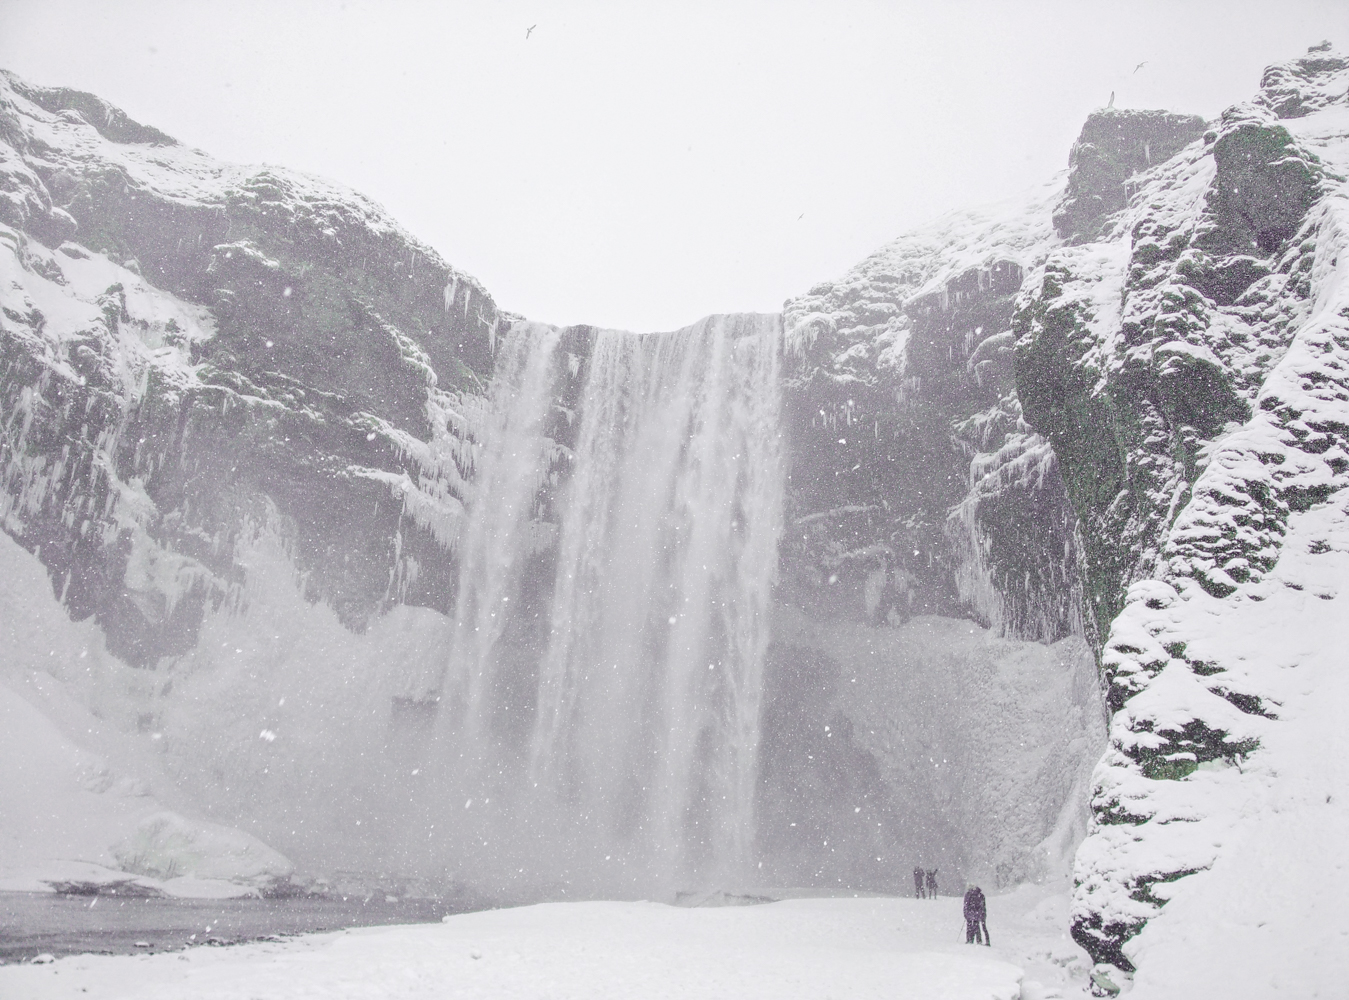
(639, 165)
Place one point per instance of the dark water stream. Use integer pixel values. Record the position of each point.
(33, 923)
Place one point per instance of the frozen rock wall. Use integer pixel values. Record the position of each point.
(930, 555)
(237, 428)
(916, 486)
(1189, 368)
(190, 348)
(85, 803)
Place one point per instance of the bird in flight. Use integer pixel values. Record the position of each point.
(801, 216)
(529, 30)
(1140, 65)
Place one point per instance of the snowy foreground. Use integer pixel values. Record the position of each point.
(816, 948)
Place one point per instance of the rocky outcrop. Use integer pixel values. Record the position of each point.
(1300, 86)
(1135, 350)
(193, 351)
(915, 484)
(1188, 369)
(1114, 147)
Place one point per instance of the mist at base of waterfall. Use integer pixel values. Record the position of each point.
(934, 744)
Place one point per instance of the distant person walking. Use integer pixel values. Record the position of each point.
(918, 882)
(931, 879)
(976, 916)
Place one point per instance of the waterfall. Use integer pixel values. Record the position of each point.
(502, 531)
(606, 677)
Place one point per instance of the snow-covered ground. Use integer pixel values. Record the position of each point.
(815, 948)
(67, 820)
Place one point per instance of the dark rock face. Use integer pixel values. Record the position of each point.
(314, 388)
(915, 485)
(917, 488)
(1114, 146)
(1264, 186)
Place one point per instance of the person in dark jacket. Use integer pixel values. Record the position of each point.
(918, 882)
(931, 879)
(976, 916)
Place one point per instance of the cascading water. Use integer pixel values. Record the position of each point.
(602, 698)
(503, 531)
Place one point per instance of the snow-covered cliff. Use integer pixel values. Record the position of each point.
(1125, 398)
(194, 352)
(236, 412)
(1190, 366)
(916, 485)
(930, 548)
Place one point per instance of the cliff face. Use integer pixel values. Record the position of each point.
(1116, 411)
(218, 376)
(1113, 148)
(225, 384)
(921, 482)
(930, 565)
(916, 485)
(1189, 367)
(193, 353)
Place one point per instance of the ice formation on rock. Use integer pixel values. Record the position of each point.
(238, 410)
(193, 349)
(918, 487)
(82, 808)
(936, 743)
